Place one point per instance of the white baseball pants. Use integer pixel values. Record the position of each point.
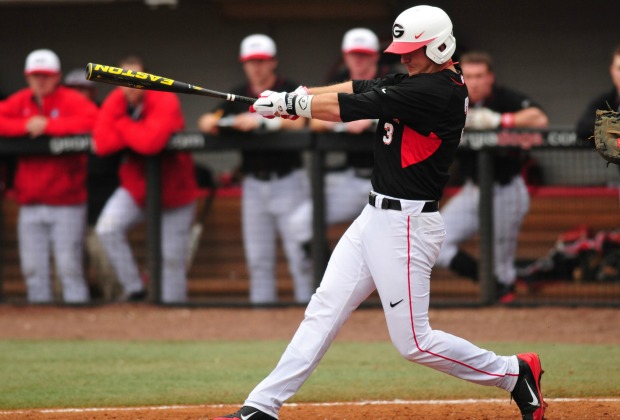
(511, 203)
(394, 252)
(62, 227)
(121, 213)
(345, 197)
(266, 208)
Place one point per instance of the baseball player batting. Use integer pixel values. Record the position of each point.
(392, 246)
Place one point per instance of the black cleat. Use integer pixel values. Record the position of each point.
(505, 293)
(139, 296)
(527, 392)
(247, 413)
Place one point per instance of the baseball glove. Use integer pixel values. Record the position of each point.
(607, 135)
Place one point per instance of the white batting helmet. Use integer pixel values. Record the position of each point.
(423, 26)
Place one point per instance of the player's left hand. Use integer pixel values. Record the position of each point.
(264, 107)
(272, 104)
(300, 91)
(482, 119)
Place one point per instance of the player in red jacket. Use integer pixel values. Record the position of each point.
(143, 122)
(51, 190)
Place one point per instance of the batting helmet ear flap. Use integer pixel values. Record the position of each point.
(441, 49)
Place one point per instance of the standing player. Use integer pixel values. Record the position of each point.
(101, 182)
(346, 187)
(490, 107)
(51, 190)
(143, 122)
(393, 244)
(274, 182)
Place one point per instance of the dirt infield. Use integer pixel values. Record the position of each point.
(144, 322)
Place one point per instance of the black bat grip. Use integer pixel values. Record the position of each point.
(244, 99)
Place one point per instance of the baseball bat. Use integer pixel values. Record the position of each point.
(142, 80)
(195, 232)
(205, 180)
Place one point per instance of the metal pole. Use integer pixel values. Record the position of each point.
(486, 266)
(319, 237)
(153, 226)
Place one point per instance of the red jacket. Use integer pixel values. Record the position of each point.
(51, 180)
(159, 119)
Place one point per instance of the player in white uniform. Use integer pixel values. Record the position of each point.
(491, 107)
(346, 188)
(392, 246)
(274, 182)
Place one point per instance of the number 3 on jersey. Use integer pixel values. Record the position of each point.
(389, 132)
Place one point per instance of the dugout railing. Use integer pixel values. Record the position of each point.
(575, 202)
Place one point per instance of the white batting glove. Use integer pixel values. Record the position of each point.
(282, 104)
(260, 106)
(300, 91)
(482, 119)
(274, 104)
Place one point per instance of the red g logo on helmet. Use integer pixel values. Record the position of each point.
(397, 30)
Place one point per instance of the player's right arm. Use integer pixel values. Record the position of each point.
(106, 136)
(532, 117)
(222, 115)
(326, 106)
(357, 86)
(345, 87)
(323, 102)
(207, 123)
(79, 116)
(150, 134)
(12, 123)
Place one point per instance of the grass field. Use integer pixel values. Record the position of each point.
(42, 373)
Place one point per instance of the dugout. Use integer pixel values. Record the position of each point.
(218, 276)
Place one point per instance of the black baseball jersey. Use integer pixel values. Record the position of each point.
(507, 161)
(421, 120)
(362, 160)
(585, 125)
(280, 162)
